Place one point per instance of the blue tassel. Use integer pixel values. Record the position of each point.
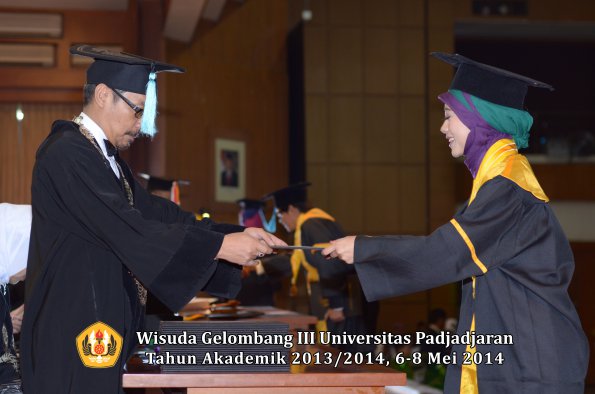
(148, 126)
(270, 225)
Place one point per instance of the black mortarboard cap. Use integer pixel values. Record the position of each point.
(158, 183)
(121, 70)
(293, 194)
(490, 83)
(249, 203)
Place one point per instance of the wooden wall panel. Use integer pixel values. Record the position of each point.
(319, 191)
(440, 14)
(345, 12)
(412, 125)
(317, 141)
(381, 62)
(346, 130)
(412, 183)
(315, 59)
(346, 195)
(235, 87)
(382, 133)
(411, 13)
(412, 60)
(380, 13)
(17, 156)
(62, 83)
(319, 10)
(346, 60)
(382, 196)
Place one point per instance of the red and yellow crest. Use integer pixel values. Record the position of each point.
(99, 346)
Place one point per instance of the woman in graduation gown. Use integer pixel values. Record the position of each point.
(504, 244)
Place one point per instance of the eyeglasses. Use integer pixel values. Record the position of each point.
(138, 111)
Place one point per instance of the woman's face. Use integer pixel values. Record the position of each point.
(455, 132)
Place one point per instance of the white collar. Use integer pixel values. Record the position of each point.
(100, 137)
(96, 131)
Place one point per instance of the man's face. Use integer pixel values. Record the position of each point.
(289, 218)
(122, 125)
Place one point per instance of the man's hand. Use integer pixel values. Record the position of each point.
(335, 315)
(341, 248)
(261, 235)
(242, 249)
(17, 319)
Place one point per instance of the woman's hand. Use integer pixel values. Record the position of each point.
(341, 248)
(335, 315)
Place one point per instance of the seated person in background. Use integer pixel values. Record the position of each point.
(15, 227)
(434, 371)
(436, 324)
(336, 297)
(260, 282)
(164, 188)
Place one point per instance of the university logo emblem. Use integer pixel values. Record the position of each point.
(99, 346)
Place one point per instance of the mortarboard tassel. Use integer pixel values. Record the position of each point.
(148, 126)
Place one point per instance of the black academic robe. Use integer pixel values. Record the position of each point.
(523, 292)
(86, 243)
(338, 282)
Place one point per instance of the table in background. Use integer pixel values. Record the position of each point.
(295, 320)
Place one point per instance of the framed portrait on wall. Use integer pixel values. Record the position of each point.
(230, 170)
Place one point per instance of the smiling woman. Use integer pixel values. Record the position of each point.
(504, 245)
(455, 132)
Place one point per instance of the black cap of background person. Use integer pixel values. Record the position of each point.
(129, 73)
(490, 83)
(290, 195)
(250, 204)
(158, 183)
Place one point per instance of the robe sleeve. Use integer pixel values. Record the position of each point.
(479, 238)
(173, 260)
(163, 210)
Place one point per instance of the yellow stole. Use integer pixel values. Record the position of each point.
(298, 257)
(501, 159)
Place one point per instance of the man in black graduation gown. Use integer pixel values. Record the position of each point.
(99, 240)
(505, 246)
(336, 297)
(261, 282)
